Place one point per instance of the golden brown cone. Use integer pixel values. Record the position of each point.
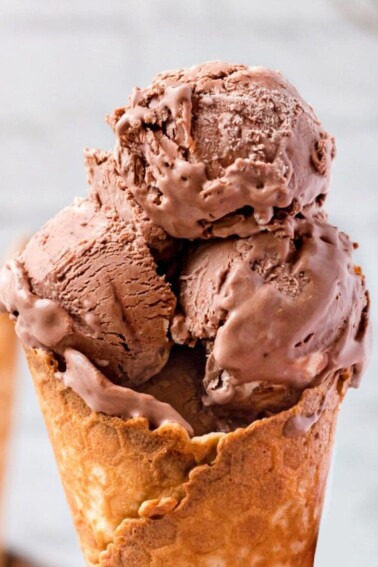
(139, 498)
(7, 382)
(7, 379)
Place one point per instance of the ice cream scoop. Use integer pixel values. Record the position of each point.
(273, 310)
(108, 189)
(221, 149)
(88, 281)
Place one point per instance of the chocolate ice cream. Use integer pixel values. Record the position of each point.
(101, 280)
(108, 189)
(221, 149)
(270, 306)
(273, 311)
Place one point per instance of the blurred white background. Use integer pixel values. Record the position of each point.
(63, 66)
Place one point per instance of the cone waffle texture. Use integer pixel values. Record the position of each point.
(250, 498)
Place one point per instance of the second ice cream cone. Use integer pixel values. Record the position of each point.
(7, 371)
(153, 498)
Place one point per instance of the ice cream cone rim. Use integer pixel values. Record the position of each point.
(206, 449)
(343, 377)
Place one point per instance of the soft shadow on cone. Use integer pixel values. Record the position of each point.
(152, 498)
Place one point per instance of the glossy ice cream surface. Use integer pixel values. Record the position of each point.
(221, 149)
(273, 310)
(269, 305)
(100, 271)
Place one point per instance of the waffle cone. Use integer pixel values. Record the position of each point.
(7, 371)
(7, 382)
(157, 498)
